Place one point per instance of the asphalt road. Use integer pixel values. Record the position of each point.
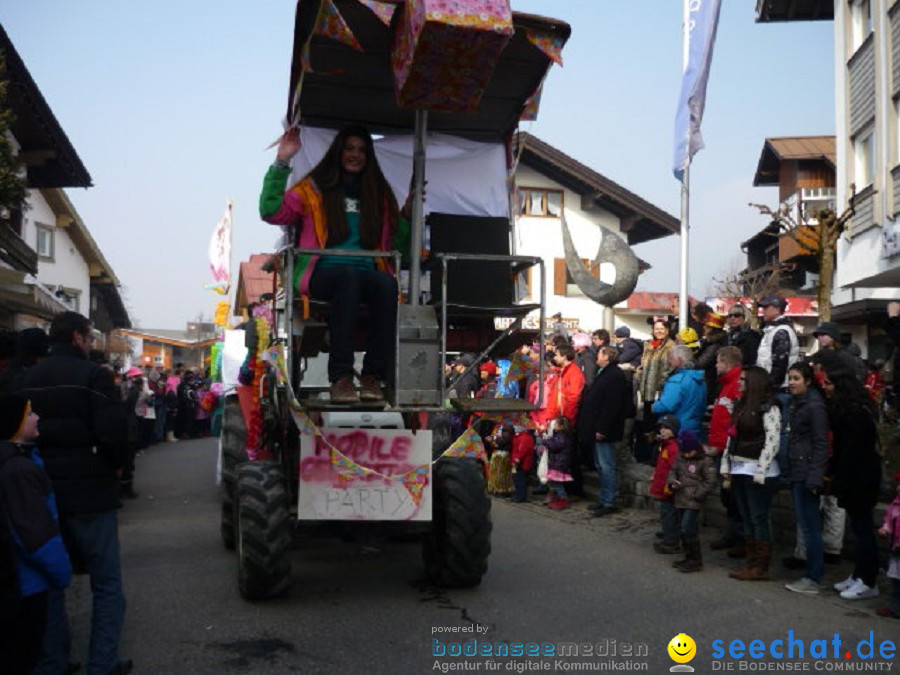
(554, 578)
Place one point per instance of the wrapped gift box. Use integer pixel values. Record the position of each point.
(445, 51)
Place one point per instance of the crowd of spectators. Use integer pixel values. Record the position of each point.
(717, 407)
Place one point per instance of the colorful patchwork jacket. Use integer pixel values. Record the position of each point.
(302, 205)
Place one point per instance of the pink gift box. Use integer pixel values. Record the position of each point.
(445, 51)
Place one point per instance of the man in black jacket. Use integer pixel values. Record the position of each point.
(83, 438)
(742, 335)
(601, 420)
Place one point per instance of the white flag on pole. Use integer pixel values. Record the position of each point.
(220, 253)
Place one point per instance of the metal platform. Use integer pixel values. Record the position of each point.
(492, 405)
(326, 405)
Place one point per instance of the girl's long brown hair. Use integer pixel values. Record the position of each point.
(754, 401)
(376, 199)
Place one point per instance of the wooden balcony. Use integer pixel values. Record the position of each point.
(789, 248)
(14, 251)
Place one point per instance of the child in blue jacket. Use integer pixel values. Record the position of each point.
(28, 506)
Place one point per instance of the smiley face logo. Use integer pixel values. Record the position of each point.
(682, 648)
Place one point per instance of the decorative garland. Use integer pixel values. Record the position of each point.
(256, 364)
(469, 444)
(215, 361)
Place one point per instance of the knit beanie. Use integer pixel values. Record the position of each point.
(623, 332)
(14, 410)
(688, 441)
(670, 422)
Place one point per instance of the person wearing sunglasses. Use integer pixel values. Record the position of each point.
(742, 335)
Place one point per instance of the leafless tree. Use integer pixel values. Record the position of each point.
(750, 286)
(818, 238)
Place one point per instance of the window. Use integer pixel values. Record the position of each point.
(864, 159)
(44, 241)
(70, 297)
(860, 22)
(540, 202)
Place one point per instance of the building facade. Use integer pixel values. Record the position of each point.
(49, 262)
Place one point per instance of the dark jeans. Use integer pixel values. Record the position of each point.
(347, 287)
(689, 522)
(520, 481)
(21, 636)
(734, 524)
(605, 459)
(96, 537)
(806, 511)
(754, 501)
(668, 518)
(865, 549)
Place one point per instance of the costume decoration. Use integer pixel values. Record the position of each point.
(215, 361)
(221, 316)
(521, 366)
(257, 365)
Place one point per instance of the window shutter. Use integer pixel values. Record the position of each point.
(559, 276)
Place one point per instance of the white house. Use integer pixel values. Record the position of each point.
(551, 185)
(49, 262)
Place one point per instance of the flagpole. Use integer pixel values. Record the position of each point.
(685, 185)
(231, 286)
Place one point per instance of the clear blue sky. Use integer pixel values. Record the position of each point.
(171, 106)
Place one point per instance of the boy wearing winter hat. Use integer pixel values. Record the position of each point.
(28, 505)
(692, 478)
(667, 429)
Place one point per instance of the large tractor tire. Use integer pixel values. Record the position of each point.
(234, 452)
(457, 548)
(263, 533)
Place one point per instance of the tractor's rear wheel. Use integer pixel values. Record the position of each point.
(457, 548)
(263, 533)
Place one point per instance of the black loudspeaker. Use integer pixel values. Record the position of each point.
(477, 283)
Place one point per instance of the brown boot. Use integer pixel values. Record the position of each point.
(370, 389)
(763, 557)
(745, 573)
(757, 568)
(343, 391)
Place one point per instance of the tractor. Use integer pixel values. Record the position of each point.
(291, 460)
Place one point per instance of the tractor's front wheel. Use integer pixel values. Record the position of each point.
(457, 548)
(263, 530)
(234, 452)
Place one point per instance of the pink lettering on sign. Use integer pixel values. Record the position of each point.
(365, 448)
(387, 456)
